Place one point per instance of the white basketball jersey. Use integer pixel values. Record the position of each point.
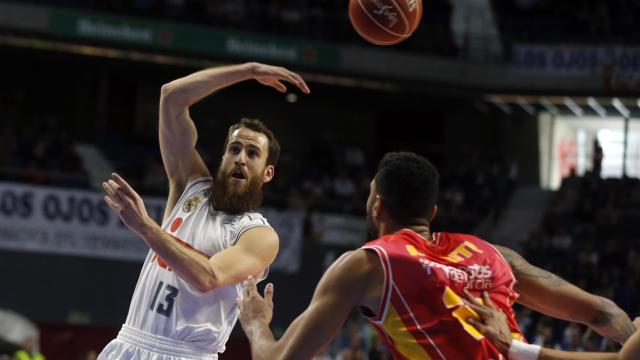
(165, 305)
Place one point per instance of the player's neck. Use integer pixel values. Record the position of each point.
(421, 228)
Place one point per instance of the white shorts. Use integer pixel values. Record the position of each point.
(133, 344)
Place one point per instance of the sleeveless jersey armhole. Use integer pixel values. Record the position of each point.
(381, 314)
(254, 223)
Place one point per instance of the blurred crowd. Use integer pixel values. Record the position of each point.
(35, 146)
(589, 236)
(546, 21)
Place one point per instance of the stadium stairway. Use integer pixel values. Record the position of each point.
(98, 167)
(522, 216)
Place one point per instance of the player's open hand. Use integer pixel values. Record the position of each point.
(125, 202)
(492, 323)
(274, 76)
(253, 307)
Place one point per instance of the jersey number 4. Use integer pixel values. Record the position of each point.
(164, 308)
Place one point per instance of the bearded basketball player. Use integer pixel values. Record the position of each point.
(211, 237)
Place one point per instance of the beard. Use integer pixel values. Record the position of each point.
(223, 197)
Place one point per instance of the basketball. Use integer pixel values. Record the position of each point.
(385, 22)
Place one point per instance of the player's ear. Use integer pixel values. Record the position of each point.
(379, 209)
(269, 172)
(434, 212)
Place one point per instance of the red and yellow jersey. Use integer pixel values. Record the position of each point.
(422, 315)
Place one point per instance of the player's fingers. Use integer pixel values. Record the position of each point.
(479, 325)
(268, 293)
(112, 204)
(470, 298)
(250, 285)
(487, 299)
(107, 188)
(124, 185)
(479, 309)
(279, 86)
(119, 195)
(299, 82)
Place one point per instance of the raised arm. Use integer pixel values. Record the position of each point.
(177, 131)
(549, 294)
(343, 286)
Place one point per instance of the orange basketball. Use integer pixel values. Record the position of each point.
(385, 22)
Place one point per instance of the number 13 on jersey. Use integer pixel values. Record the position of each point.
(164, 308)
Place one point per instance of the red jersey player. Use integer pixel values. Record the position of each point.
(421, 315)
(408, 282)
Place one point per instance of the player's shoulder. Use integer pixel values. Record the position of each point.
(239, 225)
(358, 263)
(462, 238)
(249, 218)
(196, 188)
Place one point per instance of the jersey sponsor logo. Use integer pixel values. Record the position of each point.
(480, 277)
(192, 203)
(463, 252)
(450, 272)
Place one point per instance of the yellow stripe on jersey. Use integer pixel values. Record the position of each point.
(413, 251)
(462, 313)
(402, 338)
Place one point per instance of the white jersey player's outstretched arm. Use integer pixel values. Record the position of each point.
(177, 131)
(254, 251)
(551, 295)
(352, 280)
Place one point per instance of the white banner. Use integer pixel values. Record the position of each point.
(343, 230)
(79, 223)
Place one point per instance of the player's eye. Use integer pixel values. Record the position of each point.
(234, 149)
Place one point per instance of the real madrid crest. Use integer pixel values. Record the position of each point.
(191, 203)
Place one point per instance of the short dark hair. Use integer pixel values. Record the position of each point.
(408, 184)
(258, 126)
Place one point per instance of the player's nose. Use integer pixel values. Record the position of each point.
(241, 158)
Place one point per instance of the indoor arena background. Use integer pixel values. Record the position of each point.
(527, 107)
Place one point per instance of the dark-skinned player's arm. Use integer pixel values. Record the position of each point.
(178, 135)
(549, 294)
(254, 251)
(342, 287)
(493, 325)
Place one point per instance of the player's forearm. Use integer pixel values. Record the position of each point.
(186, 91)
(551, 295)
(612, 322)
(263, 344)
(192, 267)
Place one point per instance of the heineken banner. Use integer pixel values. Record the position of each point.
(172, 36)
(79, 223)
